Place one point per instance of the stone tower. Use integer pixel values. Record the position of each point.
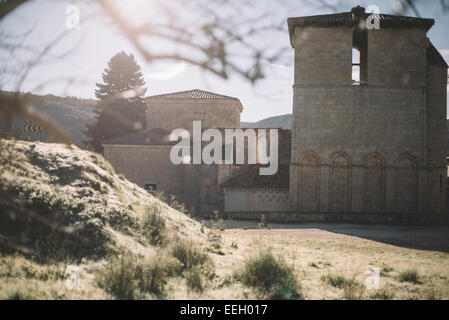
(369, 115)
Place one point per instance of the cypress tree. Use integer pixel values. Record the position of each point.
(121, 103)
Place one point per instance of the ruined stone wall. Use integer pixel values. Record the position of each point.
(362, 148)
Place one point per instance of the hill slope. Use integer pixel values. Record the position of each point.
(71, 228)
(282, 121)
(73, 114)
(60, 204)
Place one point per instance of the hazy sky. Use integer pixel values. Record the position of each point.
(90, 48)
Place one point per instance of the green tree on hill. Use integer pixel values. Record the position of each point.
(122, 106)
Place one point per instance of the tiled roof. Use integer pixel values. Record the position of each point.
(249, 177)
(354, 17)
(192, 94)
(155, 137)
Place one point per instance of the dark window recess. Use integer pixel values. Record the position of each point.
(359, 56)
(441, 180)
(151, 187)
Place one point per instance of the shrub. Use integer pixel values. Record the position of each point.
(382, 294)
(21, 289)
(154, 224)
(214, 239)
(17, 266)
(194, 280)
(8, 155)
(190, 254)
(217, 222)
(385, 270)
(335, 281)
(152, 277)
(409, 276)
(119, 279)
(23, 293)
(431, 294)
(175, 204)
(130, 278)
(102, 163)
(40, 222)
(270, 276)
(351, 288)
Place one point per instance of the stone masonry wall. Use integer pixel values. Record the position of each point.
(255, 200)
(323, 56)
(147, 164)
(365, 148)
(397, 58)
(172, 114)
(436, 136)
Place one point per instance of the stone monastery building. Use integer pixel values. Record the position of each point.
(368, 137)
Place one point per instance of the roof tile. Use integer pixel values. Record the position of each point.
(192, 94)
(354, 17)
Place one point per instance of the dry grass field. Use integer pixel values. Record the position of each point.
(330, 264)
(326, 264)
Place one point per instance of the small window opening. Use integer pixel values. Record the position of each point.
(151, 187)
(355, 66)
(359, 57)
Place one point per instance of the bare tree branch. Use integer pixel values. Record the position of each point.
(7, 6)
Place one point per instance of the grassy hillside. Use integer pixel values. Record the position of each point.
(66, 209)
(62, 206)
